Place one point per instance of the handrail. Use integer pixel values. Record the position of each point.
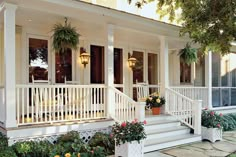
(124, 106)
(186, 110)
(194, 93)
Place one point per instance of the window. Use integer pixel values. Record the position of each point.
(38, 59)
(63, 65)
(138, 69)
(185, 73)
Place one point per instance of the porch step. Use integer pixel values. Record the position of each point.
(165, 131)
(155, 125)
(156, 144)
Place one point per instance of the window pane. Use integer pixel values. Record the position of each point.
(152, 68)
(64, 66)
(216, 97)
(215, 70)
(185, 73)
(224, 73)
(97, 64)
(138, 69)
(38, 59)
(118, 66)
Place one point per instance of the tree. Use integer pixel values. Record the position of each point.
(210, 23)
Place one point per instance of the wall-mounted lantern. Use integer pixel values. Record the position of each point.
(132, 61)
(84, 56)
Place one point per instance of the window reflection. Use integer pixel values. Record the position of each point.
(63, 66)
(38, 59)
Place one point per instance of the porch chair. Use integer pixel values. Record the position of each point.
(142, 89)
(42, 101)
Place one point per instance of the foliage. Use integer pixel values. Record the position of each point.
(188, 54)
(154, 100)
(211, 23)
(7, 152)
(3, 141)
(32, 148)
(211, 119)
(69, 142)
(64, 37)
(229, 122)
(103, 140)
(128, 131)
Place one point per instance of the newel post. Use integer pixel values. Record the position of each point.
(140, 110)
(197, 116)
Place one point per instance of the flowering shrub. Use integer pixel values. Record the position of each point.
(154, 100)
(128, 131)
(211, 119)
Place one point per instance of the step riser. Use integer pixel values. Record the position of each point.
(170, 144)
(167, 134)
(161, 126)
(159, 118)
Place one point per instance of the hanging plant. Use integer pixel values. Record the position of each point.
(64, 37)
(188, 55)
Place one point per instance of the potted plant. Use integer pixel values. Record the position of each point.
(128, 138)
(154, 101)
(64, 37)
(188, 55)
(212, 125)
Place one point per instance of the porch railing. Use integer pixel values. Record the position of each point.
(2, 106)
(186, 110)
(124, 106)
(52, 103)
(194, 93)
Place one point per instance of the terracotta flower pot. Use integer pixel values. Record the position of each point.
(156, 110)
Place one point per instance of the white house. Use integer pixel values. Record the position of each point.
(86, 98)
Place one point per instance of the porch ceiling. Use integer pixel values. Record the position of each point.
(91, 22)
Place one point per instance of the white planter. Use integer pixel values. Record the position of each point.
(211, 134)
(129, 149)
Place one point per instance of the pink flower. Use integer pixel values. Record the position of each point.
(111, 135)
(206, 108)
(218, 125)
(92, 151)
(145, 122)
(135, 120)
(221, 114)
(123, 124)
(212, 113)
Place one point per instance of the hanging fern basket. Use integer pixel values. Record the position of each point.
(64, 37)
(188, 55)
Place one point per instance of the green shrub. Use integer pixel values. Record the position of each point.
(69, 142)
(32, 149)
(103, 140)
(229, 122)
(3, 141)
(24, 149)
(7, 152)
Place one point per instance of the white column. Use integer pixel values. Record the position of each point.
(110, 71)
(164, 64)
(10, 70)
(208, 77)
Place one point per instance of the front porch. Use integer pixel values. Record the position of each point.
(74, 96)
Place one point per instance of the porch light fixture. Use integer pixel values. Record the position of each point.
(132, 61)
(84, 56)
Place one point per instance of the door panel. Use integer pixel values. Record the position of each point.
(97, 65)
